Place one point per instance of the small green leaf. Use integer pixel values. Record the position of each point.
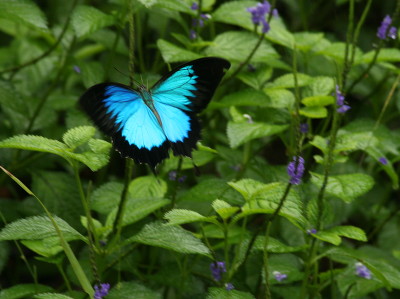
(246, 97)
(350, 232)
(106, 197)
(88, 19)
(147, 186)
(78, 136)
(51, 296)
(166, 236)
(346, 186)
(23, 291)
(280, 98)
(221, 293)
(275, 246)
(92, 73)
(35, 143)
(314, 112)
(235, 13)
(132, 290)
(330, 237)
(224, 209)
(240, 133)
(247, 187)
(388, 54)
(318, 101)
(288, 81)
(182, 216)
(320, 86)
(172, 53)
(257, 78)
(305, 41)
(23, 11)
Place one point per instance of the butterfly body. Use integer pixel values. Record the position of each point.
(145, 123)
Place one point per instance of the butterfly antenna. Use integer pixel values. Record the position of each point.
(122, 73)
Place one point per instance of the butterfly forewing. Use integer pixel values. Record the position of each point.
(146, 131)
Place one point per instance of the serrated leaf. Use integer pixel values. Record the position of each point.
(147, 186)
(346, 186)
(78, 136)
(350, 232)
(318, 101)
(132, 290)
(35, 143)
(237, 45)
(337, 51)
(221, 293)
(256, 78)
(88, 19)
(307, 40)
(92, 73)
(246, 97)
(172, 53)
(106, 197)
(224, 209)
(321, 86)
(166, 236)
(240, 133)
(235, 13)
(275, 246)
(37, 228)
(388, 54)
(288, 81)
(51, 296)
(23, 291)
(280, 98)
(329, 237)
(182, 216)
(247, 187)
(23, 11)
(314, 112)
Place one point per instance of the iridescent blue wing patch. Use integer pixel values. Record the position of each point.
(144, 125)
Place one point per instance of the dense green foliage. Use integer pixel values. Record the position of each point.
(74, 214)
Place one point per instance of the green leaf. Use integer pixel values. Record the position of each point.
(318, 101)
(280, 98)
(320, 86)
(172, 53)
(388, 168)
(35, 143)
(132, 290)
(88, 19)
(224, 209)
(329, 237)
(247, 187)
(182, 216)
(177, 5)
(275, 246)
(336, 51)
(106, 197)
(235, 13)
(288, 81)
(147, 186)
(236, 46)
(78, 136)
(246, 97)
(23, 11)
(305, 41)
(389, 55)
(240, 133)
(37, 228)
(166, 236)
(92, 73)
(346, 186)
(221, 293)
(256, 78)
(350, 232)
(23, 291)
(314, 112)
(51, 296)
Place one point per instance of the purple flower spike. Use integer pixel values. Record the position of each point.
(296, 171)
(363, 271)
(192, 34)
(304, 128)
(101, 291)
(311, 231)
(343, 109)
(195, 6)
(383, 160)
(217, 268)
(258, 14)
(279, 276)
(384, 31)
(77, 69)
(229, 286)
(340, 101)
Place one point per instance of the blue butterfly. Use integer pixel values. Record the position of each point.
(144, 124)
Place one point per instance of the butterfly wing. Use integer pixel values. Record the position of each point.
(120, 112)
(183, 93)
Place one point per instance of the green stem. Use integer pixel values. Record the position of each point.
(265, 258)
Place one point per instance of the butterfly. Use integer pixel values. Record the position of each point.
(144, 124)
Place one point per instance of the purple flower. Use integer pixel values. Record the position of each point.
(385, 30)
(363, 271)
(101, 291)
(172, 175)
(279, 276)
(383, 160)
(296, 171)
(217, 268)
(304, 128)
(182, 179)
(340, 101)
(195, 6)
(259, 12)
(192, 34)
(77, 69)
(229, 286)
(311, 231)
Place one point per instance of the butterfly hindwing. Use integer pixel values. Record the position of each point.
(144, 125)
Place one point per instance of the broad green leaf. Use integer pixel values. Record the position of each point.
(337, 50)
(23, 291)
(345, 186)
(172, 53)
(51, 296)
(88, 19)
(266, 200)
(35, 143)
(23, 11)
(37, 228)
(319, 86)
(46, 248)
(166, 236)
(280, 98)
(350, 232)
(246, 97)
(318, 101)
(224, 209)
(278, 33)
(132, 290)
(314, 112)
(305, 41)
(235, 13)
(92, 73)
(288, 81)
(106, 197)
(147, 186)
(78, 136)
(256, 78)
(275, 246)
(390, 55)
(329, 237)
(182, 216)
(240, 133)
(137, 209)
(221, 293)
(247, 187)
(236, 46)
(177, 5)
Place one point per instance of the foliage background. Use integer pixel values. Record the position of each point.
(51, 51)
